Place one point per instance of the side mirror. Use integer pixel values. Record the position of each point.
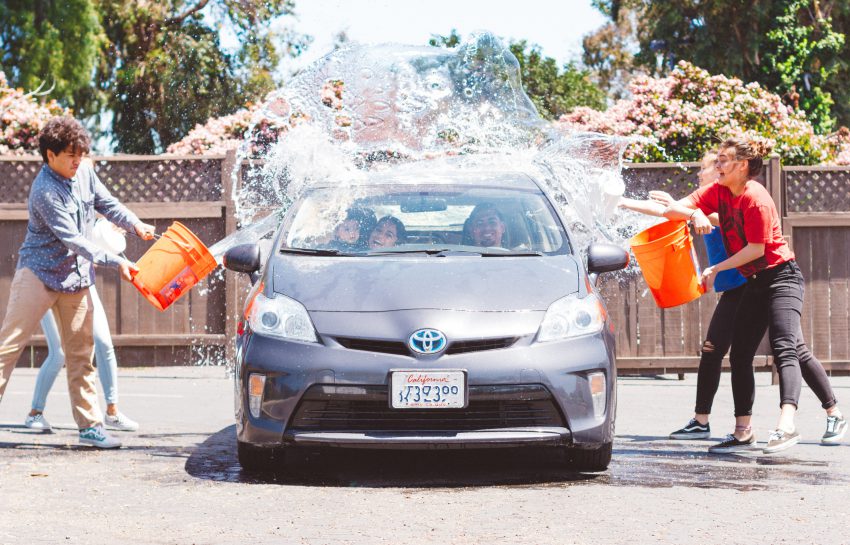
(602, 258)
(243, 258)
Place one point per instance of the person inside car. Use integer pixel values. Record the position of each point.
(388, 232)
(486, 226)
(351, 234)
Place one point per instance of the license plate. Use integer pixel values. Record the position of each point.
(428, 389)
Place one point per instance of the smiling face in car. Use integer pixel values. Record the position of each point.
(487, 228)
(384, 235)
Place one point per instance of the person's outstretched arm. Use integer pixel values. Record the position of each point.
(650, 208)
(687, 211)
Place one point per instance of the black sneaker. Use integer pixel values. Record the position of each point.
(733, 444)
(693, 430)
(781, 440)
(836, 427)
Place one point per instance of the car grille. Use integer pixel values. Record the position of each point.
(461, 347)
(373, 345)
(366, 408)
(400, 348)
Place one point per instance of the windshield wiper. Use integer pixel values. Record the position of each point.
(311, 251)
(427, 251)
(511, 254)
(445, 252)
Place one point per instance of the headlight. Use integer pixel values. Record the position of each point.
(572, 317)
(281, 317)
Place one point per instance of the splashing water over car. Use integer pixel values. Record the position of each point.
(364, 108)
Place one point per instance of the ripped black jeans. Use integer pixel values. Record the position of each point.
(718, 339)
(772, 301)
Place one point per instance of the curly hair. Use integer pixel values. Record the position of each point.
(748, 150)
(63, 133)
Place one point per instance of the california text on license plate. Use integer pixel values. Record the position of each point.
(411, 389)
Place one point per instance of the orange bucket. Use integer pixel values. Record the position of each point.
(669, 264)
(175, 263)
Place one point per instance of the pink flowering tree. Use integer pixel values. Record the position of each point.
(21, 118)
(216, 136)
(679, 117)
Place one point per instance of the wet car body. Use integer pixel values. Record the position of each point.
(366, 312)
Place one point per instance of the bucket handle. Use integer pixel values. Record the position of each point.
(188, 247)
(679, 244)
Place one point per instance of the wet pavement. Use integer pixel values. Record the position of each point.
(640, 461)
(177, 480)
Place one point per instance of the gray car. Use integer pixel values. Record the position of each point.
(425, 307)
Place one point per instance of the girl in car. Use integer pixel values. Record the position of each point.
(352, 233)
(388, 232)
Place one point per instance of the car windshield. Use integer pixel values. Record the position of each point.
(432, 220)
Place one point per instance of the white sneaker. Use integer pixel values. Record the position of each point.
(37, 422)
(96, 436)
(120, 422)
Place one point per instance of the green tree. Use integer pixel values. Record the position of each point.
(609, 54)
(553, 91)
(53, 46)
(158, 68)
(796, 48)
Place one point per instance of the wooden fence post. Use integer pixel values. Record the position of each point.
(775, 186)
(230, 181)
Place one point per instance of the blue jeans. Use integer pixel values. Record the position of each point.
(107, 365)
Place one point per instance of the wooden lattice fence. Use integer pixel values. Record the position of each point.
(197, 191)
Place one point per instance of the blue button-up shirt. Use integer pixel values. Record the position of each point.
(57, 247)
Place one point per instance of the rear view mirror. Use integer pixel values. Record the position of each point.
(244, 258)
(423, 203)
(602, 258)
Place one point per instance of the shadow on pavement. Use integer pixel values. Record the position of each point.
(216, 460)
(648, 462)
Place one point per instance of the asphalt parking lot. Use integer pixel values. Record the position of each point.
(177, 479)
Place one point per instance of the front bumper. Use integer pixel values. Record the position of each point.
(432, 440)
(558, 368)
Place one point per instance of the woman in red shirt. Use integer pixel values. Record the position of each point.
(772, 300)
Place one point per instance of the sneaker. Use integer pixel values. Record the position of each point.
(37, 422)
(836, 427)
(733, 444)
(96, 436)
(781, 440)
(693, 430)
(120, 422)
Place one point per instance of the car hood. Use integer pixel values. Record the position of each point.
(380, 284)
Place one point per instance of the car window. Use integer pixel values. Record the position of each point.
(382, 219)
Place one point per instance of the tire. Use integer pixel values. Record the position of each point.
(259, 459)
(589, 459)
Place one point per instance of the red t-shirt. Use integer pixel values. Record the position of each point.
(749, 217)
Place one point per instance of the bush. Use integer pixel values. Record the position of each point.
(21, 118)
(679, 117)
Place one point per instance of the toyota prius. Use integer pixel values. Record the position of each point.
(425, 307)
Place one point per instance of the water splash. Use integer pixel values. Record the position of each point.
(366, 107)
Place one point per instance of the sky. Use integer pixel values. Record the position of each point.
(556, 26)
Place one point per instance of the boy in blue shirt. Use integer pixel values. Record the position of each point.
(56, 266)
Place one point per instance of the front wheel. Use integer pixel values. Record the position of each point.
(259, 459)
(589, 459)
